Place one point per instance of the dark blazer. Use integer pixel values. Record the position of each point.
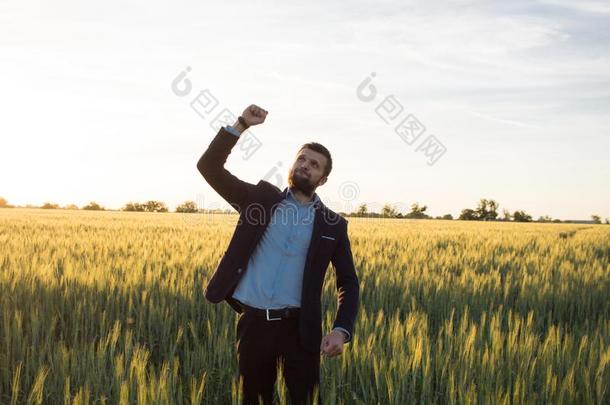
(255, 205)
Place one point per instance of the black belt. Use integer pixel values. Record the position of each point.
(272, 314)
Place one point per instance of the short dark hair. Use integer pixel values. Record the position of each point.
(317, 147)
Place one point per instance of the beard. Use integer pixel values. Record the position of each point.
(301, 182)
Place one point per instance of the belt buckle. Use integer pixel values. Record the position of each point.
(271, 319)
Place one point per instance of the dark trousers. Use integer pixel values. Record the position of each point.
(261, 345)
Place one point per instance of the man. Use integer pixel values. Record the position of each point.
(273, 269)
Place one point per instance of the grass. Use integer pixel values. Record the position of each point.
(108, 307)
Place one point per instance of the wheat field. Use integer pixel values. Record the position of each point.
(108, 307)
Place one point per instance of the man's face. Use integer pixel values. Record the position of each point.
(307, 171)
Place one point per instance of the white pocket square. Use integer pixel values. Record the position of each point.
(328, 237)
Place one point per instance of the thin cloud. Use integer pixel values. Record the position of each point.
(503, 121)
(595, 7)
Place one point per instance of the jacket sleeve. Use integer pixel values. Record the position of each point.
(348, 286)
(211, 166)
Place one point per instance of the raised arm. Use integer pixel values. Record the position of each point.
(211, 164)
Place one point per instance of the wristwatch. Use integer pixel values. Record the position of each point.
(243, 122)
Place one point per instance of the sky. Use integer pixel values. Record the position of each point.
(500, 100)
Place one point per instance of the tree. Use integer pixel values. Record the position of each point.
(388, 211)
(487, 210)
(187, 206)
(362, 210)
(492, 211)
(607, 221)
(133, 206)
(506, 215)
(5, 204)
(49, 206)
(152, 206)
(468, 215)
(596, 219)
(522, 216)
(417, 212)
(545, 218)
(71, 207)
(155, 206)
(448, 216)
(93, 206)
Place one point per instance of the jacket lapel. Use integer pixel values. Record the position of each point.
(318, 225)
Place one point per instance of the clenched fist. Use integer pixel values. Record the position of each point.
(254, 115)
(332, 344)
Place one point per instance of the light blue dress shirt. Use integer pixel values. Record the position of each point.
(274, 276)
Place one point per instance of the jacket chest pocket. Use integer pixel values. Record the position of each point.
(326, 248)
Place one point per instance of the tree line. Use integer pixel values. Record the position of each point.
(131, 206)
(486, 210)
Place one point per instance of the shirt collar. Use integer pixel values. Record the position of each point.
(314, 200)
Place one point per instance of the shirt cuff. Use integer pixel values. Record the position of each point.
(231, 130)
(346, 333)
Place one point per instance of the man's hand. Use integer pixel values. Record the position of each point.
(332, 344)
(254, 115)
